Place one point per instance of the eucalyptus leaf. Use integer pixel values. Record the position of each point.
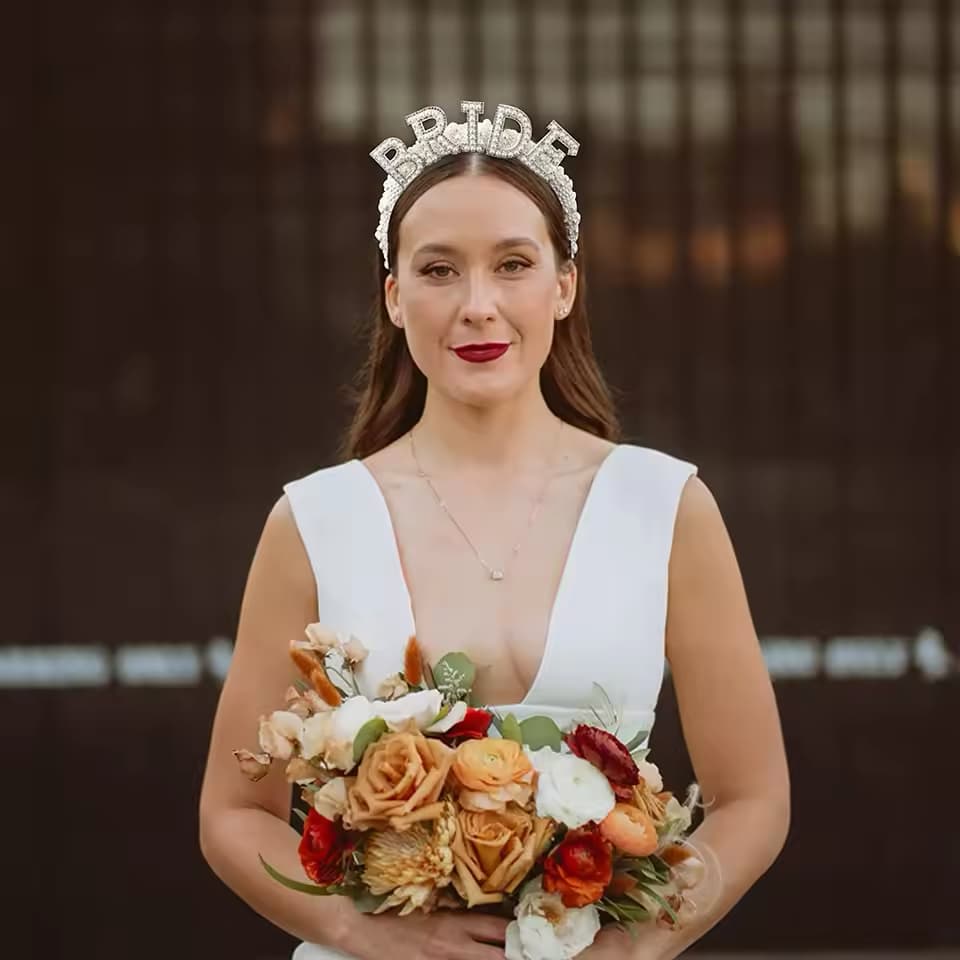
(537, 732)
(497, 721)
(510, 730)
(454, 674)
(369, 733)
(300, 887)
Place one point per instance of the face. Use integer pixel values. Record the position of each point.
(478, 288)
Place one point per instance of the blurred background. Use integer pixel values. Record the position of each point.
(771, 202)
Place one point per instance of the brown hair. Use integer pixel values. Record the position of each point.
(390, 389)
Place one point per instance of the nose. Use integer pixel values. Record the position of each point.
(479, 303)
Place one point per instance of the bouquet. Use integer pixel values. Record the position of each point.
(424, 799)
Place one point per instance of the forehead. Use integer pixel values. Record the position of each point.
(469, 210)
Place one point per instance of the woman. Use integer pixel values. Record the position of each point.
(486, 505)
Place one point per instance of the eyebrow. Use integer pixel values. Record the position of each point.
(500, 245)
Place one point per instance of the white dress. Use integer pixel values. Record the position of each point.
(612, 597)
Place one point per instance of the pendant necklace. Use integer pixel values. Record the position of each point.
(494, 573)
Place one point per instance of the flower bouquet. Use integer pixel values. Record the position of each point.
(423, 799)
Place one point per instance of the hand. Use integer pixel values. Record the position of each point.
(646, 942)
(443, 935)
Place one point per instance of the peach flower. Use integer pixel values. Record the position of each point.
(399, 782)
(493, 851)
(492, 773)
(630, 830)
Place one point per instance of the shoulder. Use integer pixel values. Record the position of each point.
(647, 472)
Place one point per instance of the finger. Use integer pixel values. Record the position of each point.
(487, 928)
(483, 951)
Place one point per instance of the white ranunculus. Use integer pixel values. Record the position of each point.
(651, 775)
(413, 709)
(279, 732)
(570, 789)
(456, 713)
(547, 930)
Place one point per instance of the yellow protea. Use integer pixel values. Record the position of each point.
(413, 863)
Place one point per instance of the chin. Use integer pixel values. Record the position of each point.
(485, 394)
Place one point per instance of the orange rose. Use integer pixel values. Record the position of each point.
(494, 851)
(579, 868)
(398, 783)
(492, 773)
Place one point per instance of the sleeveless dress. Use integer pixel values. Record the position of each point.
(611, 601)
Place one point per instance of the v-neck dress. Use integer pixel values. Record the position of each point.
(607, 623)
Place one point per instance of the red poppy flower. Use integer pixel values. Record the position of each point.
(606, 753)
(473, 726)
(323, 848)
(579, 867)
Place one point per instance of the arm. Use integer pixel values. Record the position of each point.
(240, 819)
(730, 725)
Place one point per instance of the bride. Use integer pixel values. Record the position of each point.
(486, 505)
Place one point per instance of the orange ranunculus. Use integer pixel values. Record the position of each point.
(631, 830)
(494, 851)
(579, 868)
(399, 782)
(492, 773)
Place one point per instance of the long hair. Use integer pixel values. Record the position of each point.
(390, 391)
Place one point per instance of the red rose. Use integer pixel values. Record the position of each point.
(579, 867)
(473, 726)
(323, 848)
(606, 753)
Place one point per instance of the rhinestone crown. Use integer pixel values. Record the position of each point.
(441, 139)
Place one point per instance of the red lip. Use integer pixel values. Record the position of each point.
(481, 352)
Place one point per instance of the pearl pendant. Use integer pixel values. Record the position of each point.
(496, 574)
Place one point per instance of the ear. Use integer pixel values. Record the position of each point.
(391, 295)
(566, 288)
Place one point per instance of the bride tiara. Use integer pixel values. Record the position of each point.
(404, 164)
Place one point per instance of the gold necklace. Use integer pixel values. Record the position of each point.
(494, 573)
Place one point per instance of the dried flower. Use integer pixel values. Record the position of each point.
(413, 663)
(279, 733)
(391, 688)
(254, 766)
(354, 651)
(320, 639)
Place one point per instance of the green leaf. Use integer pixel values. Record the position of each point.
(497, 721)
(667, 909)
(454, 674)
(429, 681)
(369, 733)
(300, 887)
(510, 729)
(301, 685)
(537, 732)
(300, 814)
(444, 710)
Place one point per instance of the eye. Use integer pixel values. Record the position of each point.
(520, 264)
(431, 271)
